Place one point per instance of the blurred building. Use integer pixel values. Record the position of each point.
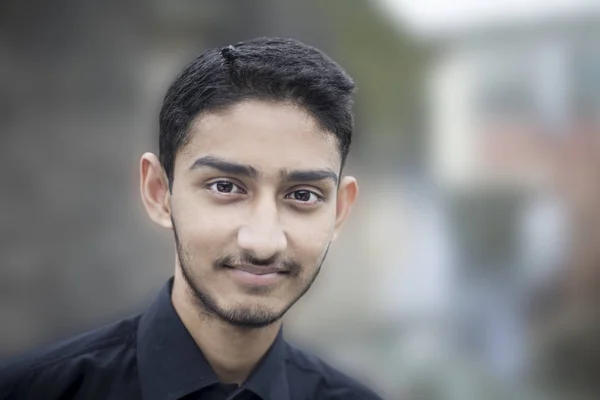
(514, 147)
(513, 150)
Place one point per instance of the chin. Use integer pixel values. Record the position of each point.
(250, 305)
(255, 316)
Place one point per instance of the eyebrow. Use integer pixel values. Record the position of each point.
(309, 175)
(227, 167)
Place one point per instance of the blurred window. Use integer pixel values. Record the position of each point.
(504, 86)
(586, 81)
(484, 225)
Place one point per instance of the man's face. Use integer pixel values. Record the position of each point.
(253, 208)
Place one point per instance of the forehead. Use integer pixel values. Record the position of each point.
(268, 136)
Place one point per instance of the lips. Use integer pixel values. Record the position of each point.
(257, 270)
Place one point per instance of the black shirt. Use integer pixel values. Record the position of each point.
(153, 357)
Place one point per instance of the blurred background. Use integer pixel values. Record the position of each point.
(470, 268)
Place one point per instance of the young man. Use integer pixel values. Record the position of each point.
(253, 139)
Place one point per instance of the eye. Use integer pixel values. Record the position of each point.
(225, 187)
(304, 197)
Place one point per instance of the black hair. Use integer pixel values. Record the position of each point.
(268, 69)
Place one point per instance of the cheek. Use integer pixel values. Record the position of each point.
(203, 226)
(310, 237)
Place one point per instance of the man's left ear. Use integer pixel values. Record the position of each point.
(347, 192)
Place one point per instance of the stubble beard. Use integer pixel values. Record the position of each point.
(240, 317)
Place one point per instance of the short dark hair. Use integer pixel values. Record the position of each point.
(268, 69)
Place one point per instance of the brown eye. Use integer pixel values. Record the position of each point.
(302, 195)
(305, 197)
(225, 187)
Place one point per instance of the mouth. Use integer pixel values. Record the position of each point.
(258, 270)
(254, 275)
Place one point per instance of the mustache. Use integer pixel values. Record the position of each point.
(287, 265)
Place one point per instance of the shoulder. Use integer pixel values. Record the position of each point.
(59, 361)
(325, 382)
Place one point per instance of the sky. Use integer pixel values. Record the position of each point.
(439, 17)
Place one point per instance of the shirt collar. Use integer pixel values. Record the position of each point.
(171, 365)
(269, 378)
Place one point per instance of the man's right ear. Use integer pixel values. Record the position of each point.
(154, 188)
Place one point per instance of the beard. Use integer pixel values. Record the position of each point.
(241, 316)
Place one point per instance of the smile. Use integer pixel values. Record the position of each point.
(257, 270)
(256, 275)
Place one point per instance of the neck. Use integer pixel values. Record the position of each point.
(231, 351)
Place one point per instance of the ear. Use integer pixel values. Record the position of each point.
(154, 188)
(347, 192)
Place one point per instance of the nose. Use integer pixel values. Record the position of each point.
(262, 235)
